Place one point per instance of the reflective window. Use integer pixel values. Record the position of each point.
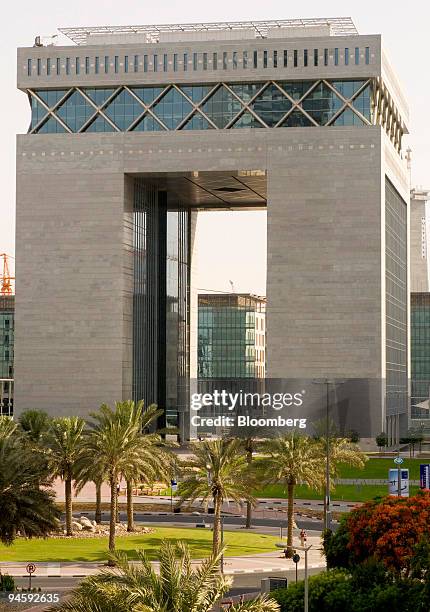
(175, 62)
(367, 55)
(185, 61)
(145, 63)
(136, 63)
(172, 108)
(224, 60)
(147, 94)
(39, 66)
(99, 125)
(315, 57)
(196, 92)
(247, 120)
(58, 60)
(125, 63)
(51, 96)
(296, 89)
(347, 88)
(264, 59)
(346, 56)
(148, 124)
(215, 61)
(348, 117)
(234, 59)
(205, 61)
(197, 122)
(99, 96)
(297, 119)
(48, 66)
(357, 55)
(275, 59)
(221, 107)
(29, 67)
(75, 111)
(165, 62)
(246, 91)
(123, 110)
(52, 126)
(106, 64)
(322, 103)
(67, 65)
(325, 57)
(77, 65)
(195, 61)
(362, 102)
(96, 64)
(295, 59)
(155, 63)
(245, 59)
(336, 56)
(305, 57)
(255, 59)
(38, 112)
(271, 105)
(87, 65)
(285, 58)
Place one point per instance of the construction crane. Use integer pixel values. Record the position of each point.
(6, 279)
(232, 286)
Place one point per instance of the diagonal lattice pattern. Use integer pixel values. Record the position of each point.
(199, 107)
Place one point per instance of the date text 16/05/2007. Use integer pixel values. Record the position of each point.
(246, 421)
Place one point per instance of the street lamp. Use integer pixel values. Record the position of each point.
(305, 549)
(327, 511)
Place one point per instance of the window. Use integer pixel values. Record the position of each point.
(155, 62)
(96, 64)
(77, 65)
(325, 57)
(67, 65)
(165, 62)
(296, 54)
(215, 61)
(285, 58)
(125, 63)
(145, 63)
(245, 59)
(367, 55)
(315, 57)
(136, 63)
(39, 66)
(87, 65)
(175, 62)
(106, 64)
(48, 66)
(235, 59)
(29, 67)
(305, 57)
(264, 59)
(224, 60)
(194, 61)
(336, 57)
(255, 59)
(275, 59)
(357, 55)
(116, 63)
(185, 61)
(205, 61)
(346, 56)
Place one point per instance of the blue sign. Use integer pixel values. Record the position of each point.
(393, 482)
(425, 476)
(398, 460)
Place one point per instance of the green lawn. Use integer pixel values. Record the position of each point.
(341, 493)
(94, 549)
(378, 468)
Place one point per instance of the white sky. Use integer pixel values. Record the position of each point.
(238, 251)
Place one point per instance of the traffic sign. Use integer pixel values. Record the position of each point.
(393, 482)
(398, 460)
(425, 476)
(296, 558)
(31, 568)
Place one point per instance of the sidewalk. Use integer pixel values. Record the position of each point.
(261, 563)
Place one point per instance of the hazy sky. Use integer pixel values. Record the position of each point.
(240, 255)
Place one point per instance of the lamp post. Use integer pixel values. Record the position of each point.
(306, 550)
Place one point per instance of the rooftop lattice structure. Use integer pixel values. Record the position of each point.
(340, 26)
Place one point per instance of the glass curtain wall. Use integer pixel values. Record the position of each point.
(420, 354)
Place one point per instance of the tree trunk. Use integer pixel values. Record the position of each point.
(216, 542)
(290, 515)
(248, 504)
(130, 511)
(98, 515)
(112, 519)
(68, 502)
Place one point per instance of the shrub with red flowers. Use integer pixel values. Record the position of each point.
(388, 530)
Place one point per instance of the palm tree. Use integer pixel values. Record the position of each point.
(218, 471)
(342, 450)
(64, 441)
(35, 424)
(89, 470)
(291, 459)
(177, 588)
(117, 444)
(249, 447)
(26, 501)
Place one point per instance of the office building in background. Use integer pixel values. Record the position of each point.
(133, 131)
(7, 330)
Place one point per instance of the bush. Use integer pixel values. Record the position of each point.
(335, 546)
(7, 583)
(328, 592)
